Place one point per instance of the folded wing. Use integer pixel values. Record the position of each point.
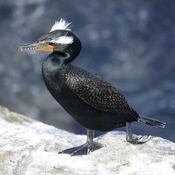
(96, 92)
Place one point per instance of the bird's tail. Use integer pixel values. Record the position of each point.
(152, 122)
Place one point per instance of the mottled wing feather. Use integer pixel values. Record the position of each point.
(96, 92)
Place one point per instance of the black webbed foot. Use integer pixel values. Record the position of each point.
(135, 140)
(82, 149)
(138, 140)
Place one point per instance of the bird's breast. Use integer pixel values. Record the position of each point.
(54, 78)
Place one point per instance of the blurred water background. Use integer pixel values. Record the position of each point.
(130, 43)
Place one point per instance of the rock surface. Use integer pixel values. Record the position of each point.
(29, 147)
(129, 42)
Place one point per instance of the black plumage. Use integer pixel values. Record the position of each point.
(93, 102)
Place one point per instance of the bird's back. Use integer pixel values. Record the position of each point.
(93, 102)
(96, 92)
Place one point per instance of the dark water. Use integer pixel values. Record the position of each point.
(130, 43)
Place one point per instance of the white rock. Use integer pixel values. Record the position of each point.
(28, 147)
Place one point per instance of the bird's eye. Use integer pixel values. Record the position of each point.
(40, 42)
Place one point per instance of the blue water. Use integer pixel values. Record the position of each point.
(129, 43)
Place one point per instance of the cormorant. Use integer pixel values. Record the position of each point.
(93, 102)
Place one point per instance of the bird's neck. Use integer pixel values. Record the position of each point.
(59, 58)
(56, 62)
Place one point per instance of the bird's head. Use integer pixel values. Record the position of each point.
(59, 39)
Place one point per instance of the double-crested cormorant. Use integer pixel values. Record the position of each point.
(93, 102)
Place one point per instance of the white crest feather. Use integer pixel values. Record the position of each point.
(63, 40)
(61, 25)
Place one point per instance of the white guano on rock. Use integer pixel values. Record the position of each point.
(29, 147)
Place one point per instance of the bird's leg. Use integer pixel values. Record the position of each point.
(90, 136)
(86, 148)
(91, 145)
(135, 140)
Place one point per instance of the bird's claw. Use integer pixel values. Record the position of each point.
(82, 149)
(138, 140)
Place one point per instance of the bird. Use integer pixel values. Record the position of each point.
(88, 98)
